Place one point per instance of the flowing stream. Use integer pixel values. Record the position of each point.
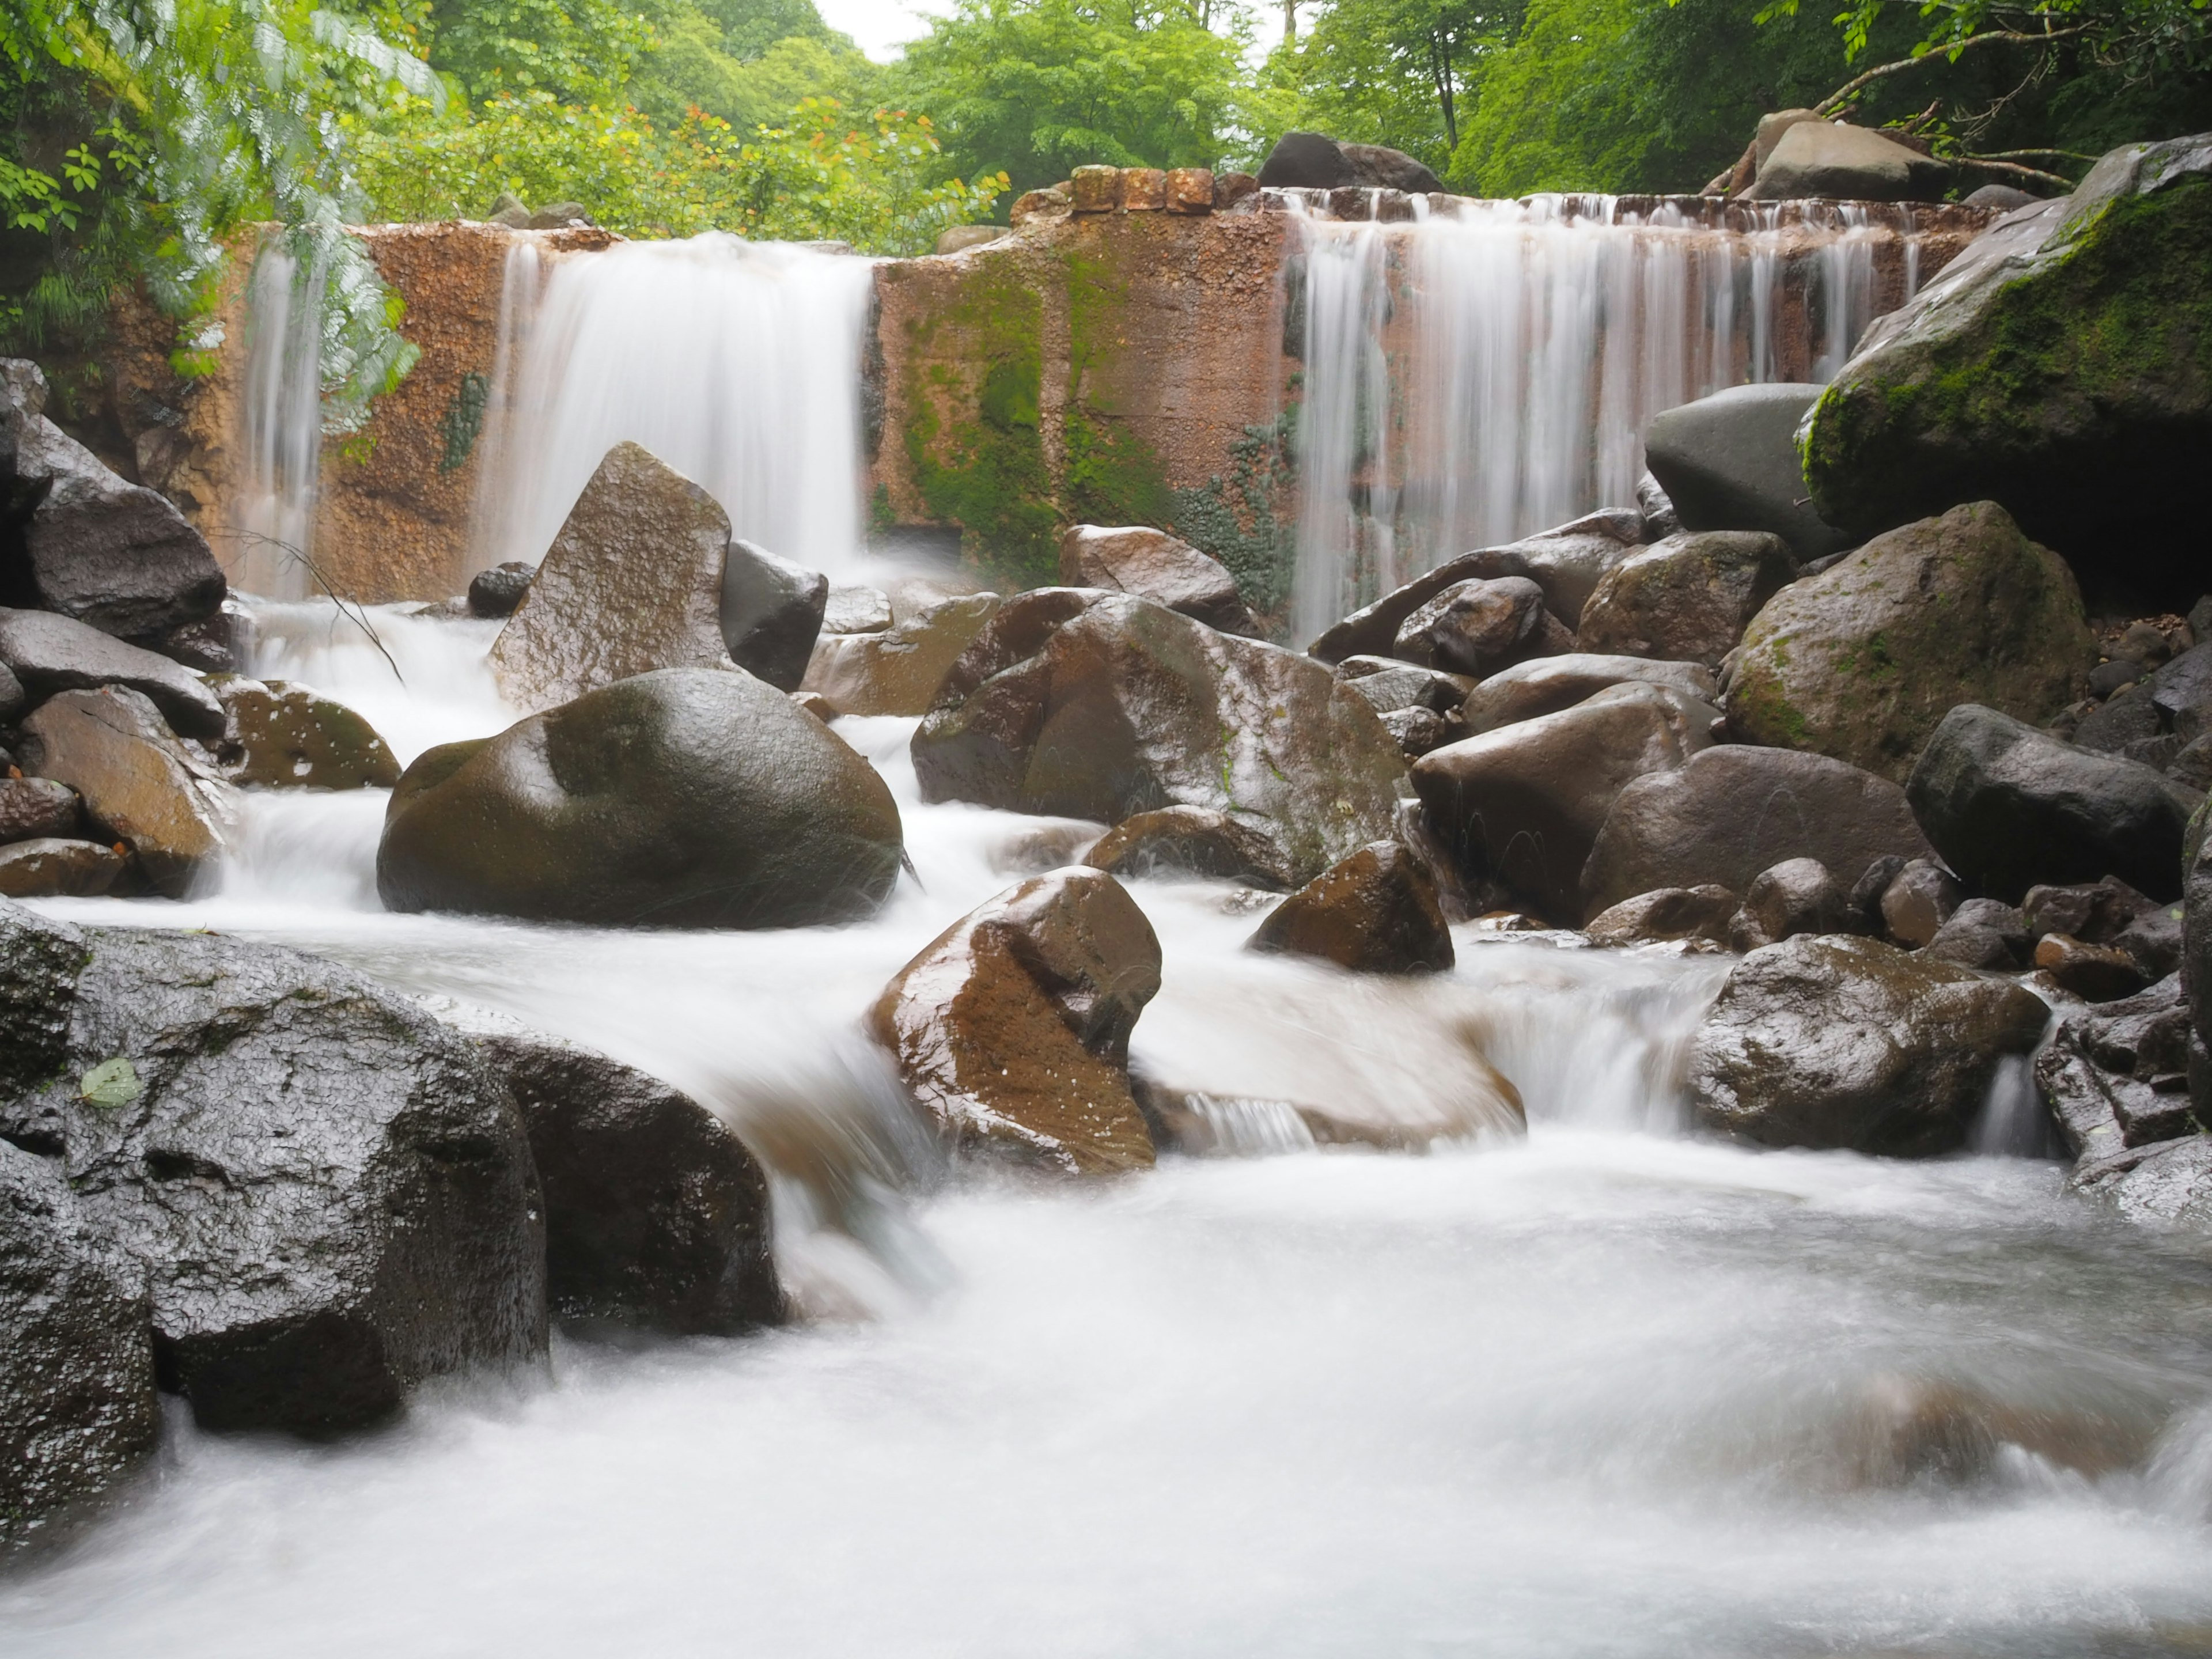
(1609, 1391)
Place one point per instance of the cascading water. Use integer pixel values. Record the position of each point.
(269, 537)
(1487, 371)
(737, 363)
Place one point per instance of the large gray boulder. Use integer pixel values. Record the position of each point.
(2115, 1076)
(2061, 366)
(1523, 805)
(772, 613)
(1477, 628)
(1834, 1041)
(1545, 685)
(688, 798)
(2010, 807)
(1310, 161)
(77, 1408)
(328, 1195)
(49, 654)
(901, 668)
(1687, 599)
(1076, 703)
(1845, 163)
(633, 582)
(1730, 462)
(1734, 810)
(113, 554)
(1861, 661)
(1155, 566)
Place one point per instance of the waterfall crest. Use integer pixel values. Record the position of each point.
(272, 513)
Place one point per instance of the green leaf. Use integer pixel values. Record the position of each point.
(111, 1084)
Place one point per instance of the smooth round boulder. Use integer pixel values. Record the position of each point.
(1687, 599)
(1545, 685)
(1195, 841)
(1798, 895)
(1730, 462)
(1666, 915)
(495, 593)
(1478, 627)
(685, 797)
(1376, 912)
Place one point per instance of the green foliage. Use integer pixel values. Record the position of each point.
(1395, 72)
(579, 50)
(1037, 87)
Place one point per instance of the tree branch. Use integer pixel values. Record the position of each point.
(1842, 94)
(1988, 165)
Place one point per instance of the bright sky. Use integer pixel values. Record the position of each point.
(880, 27)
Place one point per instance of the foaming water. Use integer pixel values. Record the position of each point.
(270, 532)
(1604, 1389)
(737, 363)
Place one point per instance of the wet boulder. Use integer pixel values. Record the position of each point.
(656, 1215)
(899, 669)
(33, 807)
(1841, 162)
(854, 608)
(139, 784)
(1195, 841)
(59, 866)
(772, 613)
(1734, 810)
(688, 798)
(2094, 973)
(2169, 707)
(1862, 660)
(2010, 806)
(1523, 805)
(1390, 685)
(1155, 566)
(1545, 685)
(2116, 1077)
(2061, 366)
(1478, 627)
(1687, 599)
(1010, 1029)
(1730, 462)
(633, 582)
(1668, 915)
(2167, 1184)
(1309, 161)
(493, 594)
(78, 1406)
(49, 654)
(112, 555)
(1081, 704)
(2098, 912)
(283, 736)
(1916, 901)
(328, 1195)
(1798, 896)
(1376, 912)
(1835, 1042)
(1982, 933)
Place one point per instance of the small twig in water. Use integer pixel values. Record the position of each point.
(352, 609)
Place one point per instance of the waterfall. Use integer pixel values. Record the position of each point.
(737, 363)
(272, 515)
(1486, 369)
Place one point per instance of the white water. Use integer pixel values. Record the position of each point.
(270, 530)
(1480, 374)
(1609, 1391)
(737, 363)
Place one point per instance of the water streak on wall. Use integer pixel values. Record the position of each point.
(271, 520)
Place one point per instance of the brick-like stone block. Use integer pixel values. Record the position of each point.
(1098, 189)
(1144, 189)
(1190, 190)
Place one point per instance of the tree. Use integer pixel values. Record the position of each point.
(1037, 87)
(1395, 72)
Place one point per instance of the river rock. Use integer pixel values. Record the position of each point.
(1376, 912)
(1916, 901)
(34, 807)
(2094, 973)
(1308, 160)
(1687, 599)
(633, 582)
(1569, 561)
(2175, 702)
(1734, 810)
(1730, 462)
(1668, 915)
(2009, 807)
(59, 867)
(113, 554)
(1835, 1042)
(328, 1195)
(1478, 627)
(1390, 685)
(688, 798)
(1982, 933)
(50, 653)
(493, 594)
(855, 608)
(1373, 629)
(1190, 841)
(139, 784)
(1080, 704)
(1545, 685)
(1845, 163)
(1524, 804)
(2098, 912)
(1155, 566)
(1011, 1028)
(772, 613)
(284, 737)
(2169, 1184)
(656, 1215)
(77, 1408)
(1863, 660)
(2062, 365)
(898, 669)
(1798, 896)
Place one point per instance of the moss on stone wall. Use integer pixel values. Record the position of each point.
(1243, 521)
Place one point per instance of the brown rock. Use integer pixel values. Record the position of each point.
(30, 808)
(1190, 841)
(633, 582)
(1010, 1030)
(1524, 804)
(1569, 561)
(1082, 704)
(1229, 189)
(139, 783)
(1190, 190)
(1667, 914)
(1039, 204)
(1798, 895)
(1376, 912)
(1421, 731)
(1095, 190)
(852, 608)
(1918, 900)
(2094, 973)
(283, 736)
(50, 653)
(958, 239)
(56, 867)
(1478, 627)
(1544, 685)
(1155, 566)
(815, 704)
(900, 670)
(1144, 189)
(2096, 912)
(1373, 630)
(1688, 598)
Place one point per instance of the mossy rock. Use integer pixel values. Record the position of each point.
(2062, 367)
